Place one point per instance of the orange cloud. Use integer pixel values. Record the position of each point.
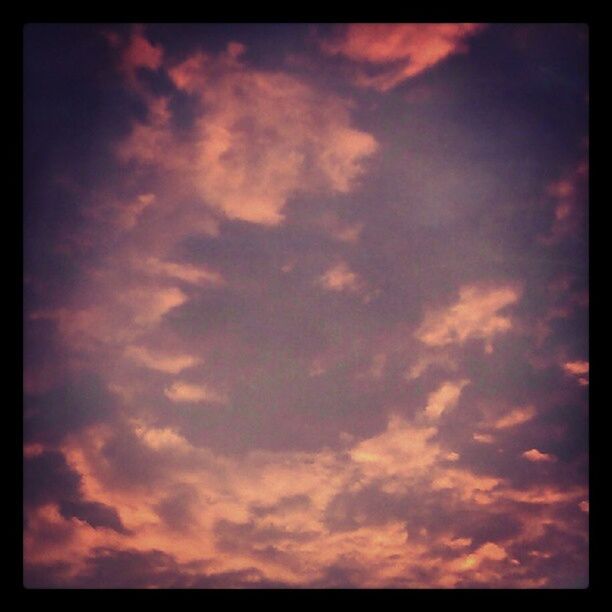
(161, 361)
(181, 391)
(276, 502)
(129, 215)
(263, 137)
(536, 456)
(402, 449)
(475, 315)
(402, 50)
(518, 416)
(484, 438)
(577, 368)
(444, 398)
(426, 361)
(340, 278)
(181, 271)
(150, 305)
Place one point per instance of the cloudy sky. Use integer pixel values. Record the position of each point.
(306, 306)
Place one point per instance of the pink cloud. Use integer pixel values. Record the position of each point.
(263, 138)
(475, 315)
(181, 391)
(401, 50)
(444, 398)
(518, 416)
(139, 53)
(538, 457)
(568, 197)
(340, 278)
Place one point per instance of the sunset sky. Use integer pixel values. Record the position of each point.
(306, 306)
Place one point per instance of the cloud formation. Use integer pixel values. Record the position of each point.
(475, 315)
(280, 331)
(401, 51)
(259, 139)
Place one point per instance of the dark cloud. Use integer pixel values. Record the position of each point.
(67, 409)
(176, 510)
(233, 536)
(131, 569)
(95, 514)
(292, 502)
(49, 479)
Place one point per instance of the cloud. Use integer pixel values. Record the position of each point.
(397, 504)
(518, 416)
(579, 369)
(486, 551)
(569, 197)
(475, 315)
(576, 368)
(261, 138)
(181, 391)
(536, 456)
(139, 53)
(400, 51)
(177, 508)
(444, 398)
(125, 214)
(108, 568)
(340, 278)
(159, 360)
(402, 449)
(196, 275)
(118, 319)
(68, 408)
(150, 305)
(484, 438)
(212, 397)
(427, 361)
(95, 514)
(49, 479)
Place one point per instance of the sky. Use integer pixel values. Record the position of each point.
(306, 306)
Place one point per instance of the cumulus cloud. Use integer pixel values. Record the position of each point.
(401, 50)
